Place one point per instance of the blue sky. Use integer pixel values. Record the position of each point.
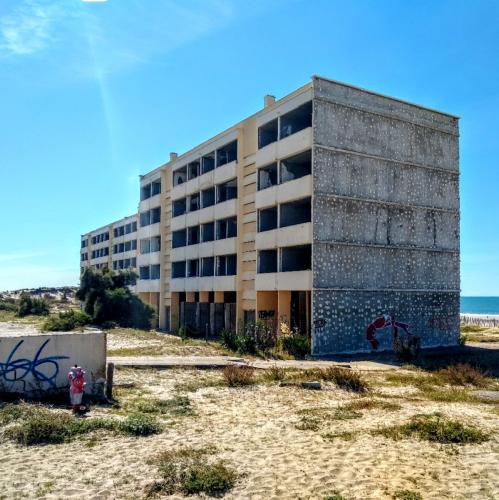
(92, 94)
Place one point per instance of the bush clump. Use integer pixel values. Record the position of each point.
(188, 471)
(296, 345)
(139, 425)
(66, 321)
(8, 305)
(228, 338)
(29, 305)
(462, 374)
(345, 378)
(236, 376)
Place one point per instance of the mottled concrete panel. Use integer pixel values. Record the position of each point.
(349, 96)
(357, 130)
(344, 220)
(432, 316)
(370, 267)
(363, 177)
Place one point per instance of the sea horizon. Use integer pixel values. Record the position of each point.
(479, 305)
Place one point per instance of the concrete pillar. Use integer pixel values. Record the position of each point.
(284, 306)
(189, 296)
(219, 297)
(175, 311)
(204, 297)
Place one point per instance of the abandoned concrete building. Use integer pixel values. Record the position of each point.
(334, 210)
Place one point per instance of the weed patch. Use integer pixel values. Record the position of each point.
(461, 374)
(346, 436)
(407, 495)
(237, 376)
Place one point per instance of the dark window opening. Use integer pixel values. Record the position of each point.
(155, 272)
(267, 176)
(145, 192)
(267, 219)
(193, 235)
(226, 265)
(180, 176)
(193, 169)
(295, 212)
(208, 197)
(181, 297)
(178, 270)
(155, 243)
(179, 238)
(296, 258)
(267, 261)
(227, 191)
(208, 266)
(208, 162)
(145, 246)
(226, 228)
(194, 202)
(208, 231)
(145, 218)
(196, 296)
(230, 297)
(192, 268)
(296, 166)
(179, 207)
(144, 273)
(227, 153)
(296, 120)
(155, 187)
(155, 215)
(267, 133)
(211, 297)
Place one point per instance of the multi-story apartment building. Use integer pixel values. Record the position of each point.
(333, 209)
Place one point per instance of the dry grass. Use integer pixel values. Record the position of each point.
(238, 375)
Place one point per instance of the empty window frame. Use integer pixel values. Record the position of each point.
(193, 235)
(155, 187)
(267, 133)
(226, 228)
(178, 269)
(193, 169)
(179, 207)
(145, 192)
(155, 243)
(128, 228)
(134, 226)
(227, 153)
(208, 231)
(84, 243)
(155, 215)
(155, 272)
(267, 219)
(294, 212)
(207, 266)
(144, 273)
(227, 191)
(267, 261)
(227, 265)
(208, 162)
(194, 202)
(179, 238)
(267, 176)
(296, 166)
(296, 258)
(180, 175)
(192, 268)
(145, 218)
(208, 197)
(296, 120)
(145, 246)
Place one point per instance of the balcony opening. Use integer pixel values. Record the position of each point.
(193, 169)
(155, 187)
(226, 228)
(155, 215)
(295, 212)
(155, 272)
(227, 191)
(267, 261)
(145, 192)
(144, 273)
(145, 246)
(297, 258)
(180, 176)
(145, 218)
(179, 207)
(267, 219)
(128, 229)
(267, 176)
(227, 153)
(155, 243)
(179, 238)
(193, 235)
(208, 197)
(226, 265)
(297, 166)
(208, 162)
(194, 202)
(208, 231)
(267, 133)
(178, 269)
(192, 268)
(208, 266)
(296, 120)
(230, 297)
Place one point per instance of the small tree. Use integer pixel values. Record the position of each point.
(31, 305)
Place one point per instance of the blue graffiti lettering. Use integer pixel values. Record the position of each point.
(42, 369)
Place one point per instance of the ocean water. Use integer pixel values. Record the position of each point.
(480, 305)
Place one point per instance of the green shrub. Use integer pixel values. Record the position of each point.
(407, 495)
(296, 344)
(32, 306)
(66, 321)
(214, 480)
(182, 333)
(8, 305)
(265, 335)
(246, 344)
(228, 338)
(274, 374)
(139, 425)
(235, 375)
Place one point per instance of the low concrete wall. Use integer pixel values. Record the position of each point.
(39, 363)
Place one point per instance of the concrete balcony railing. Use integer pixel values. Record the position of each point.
(295, 280)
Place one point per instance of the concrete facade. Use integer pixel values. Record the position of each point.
(325, 210)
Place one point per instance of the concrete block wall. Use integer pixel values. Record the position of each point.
(385, 216)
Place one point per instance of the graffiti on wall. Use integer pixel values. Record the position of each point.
(382, 322)
(19, 369)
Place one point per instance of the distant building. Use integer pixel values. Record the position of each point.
(326, 209)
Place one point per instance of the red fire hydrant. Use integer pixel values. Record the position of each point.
(76, 377)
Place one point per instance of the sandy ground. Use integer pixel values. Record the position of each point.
(254, 430)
